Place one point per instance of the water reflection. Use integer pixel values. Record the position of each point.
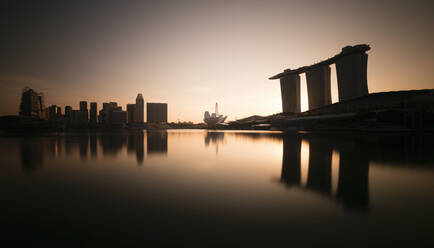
(157, 142)
(84, 142)
(32, 155)
(112, 144)
(355, 152)
(214, 138)
(346, 182)
(136, 145)
(291, 160)
(140, 148)
(93, 145)
(353, 184)
(34, 150)
(390, 177)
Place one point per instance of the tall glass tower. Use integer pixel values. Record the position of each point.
(140, 108)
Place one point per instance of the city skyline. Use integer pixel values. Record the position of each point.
(32, 104)
(192, 54)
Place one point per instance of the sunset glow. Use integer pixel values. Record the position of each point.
(192, 54)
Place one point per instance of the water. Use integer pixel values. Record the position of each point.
(199, 188)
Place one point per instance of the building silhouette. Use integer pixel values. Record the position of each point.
(352, 175)
(106, 111)
(52, 112)
(140, 105)
(93, 112)
(351, 69)
(156, 113)
(132, 113)
(118, 117)
(83, 108)
(68, 113)
(59, 112)
(79, 117)
(156, 141)
(32, 103)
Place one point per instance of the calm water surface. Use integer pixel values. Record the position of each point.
(200, 188)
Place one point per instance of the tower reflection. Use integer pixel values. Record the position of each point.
(140, 150)
(112, 144)
(291, 160)
(32, 155)
(156, 142)
(353, 183)
(136, 145)
(93, 145)
(84, 143)
(320, 166)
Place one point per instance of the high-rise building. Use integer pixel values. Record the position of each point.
(52, 110)
(140, 105)
(79, 117)
(32, 103)
(68, 113)
(93, 112)
(118, 117)
(68, 110)
(83, 108)
(105, 115)
(59, 112)
(156, 112)
(132, 113)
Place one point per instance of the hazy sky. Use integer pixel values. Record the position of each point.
(192, 54)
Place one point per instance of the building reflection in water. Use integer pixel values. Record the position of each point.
(84, 145)
(140, 149)
(32, 154)
(156, 142)
(136, 145)
(353, 172)
(93, 145)
(111, 144)
(337, 165)
(291, 167)
(214, 138)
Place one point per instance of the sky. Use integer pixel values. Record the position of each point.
(191, 54)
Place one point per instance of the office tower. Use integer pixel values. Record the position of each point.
(68, 110)
(59, 112)
(32, 103)
(52, 112)
(132, 113)
(68, 113)
(93, 112)
(140, 105)
(156, 112)
(83, 108)
(105, 115)
(79, 117)
(118, 117)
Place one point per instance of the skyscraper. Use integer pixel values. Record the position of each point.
(32, 103)
(132, 113)
(156, 112)
(83, 108)
(68, 113)
(105, 115)
(140, 105)
(59, 112)
(52, 110)
(93, 112)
